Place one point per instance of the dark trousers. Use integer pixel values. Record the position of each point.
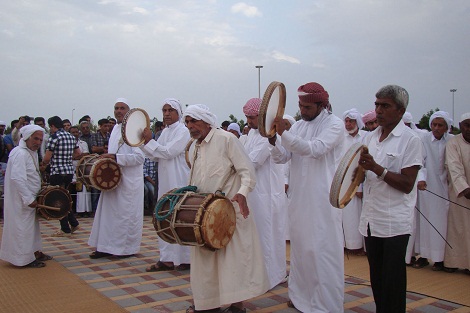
(64, 182)
(387, 267)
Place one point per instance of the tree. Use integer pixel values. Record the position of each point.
(424, 121)
(240, 123)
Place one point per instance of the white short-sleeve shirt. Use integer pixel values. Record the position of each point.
(388, 211)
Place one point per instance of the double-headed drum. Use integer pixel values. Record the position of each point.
(101, 173)
(194, 219)
(54, 202)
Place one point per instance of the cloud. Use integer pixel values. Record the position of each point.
(279, 56)
(245, 9)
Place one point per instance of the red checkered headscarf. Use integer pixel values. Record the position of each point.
(313, 93)
(251, 108)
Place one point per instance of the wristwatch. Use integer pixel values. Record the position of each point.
(382, 176)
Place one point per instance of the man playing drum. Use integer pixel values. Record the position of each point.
(315, 146)
(60, 150)
(392, 162)
(117, 227)
(169, 152)
(21, 239)
(268, 199)
(235, 273)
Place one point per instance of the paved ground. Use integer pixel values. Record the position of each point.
(126, 282)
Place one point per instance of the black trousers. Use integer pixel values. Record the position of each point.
(387, 268)
(70, 219)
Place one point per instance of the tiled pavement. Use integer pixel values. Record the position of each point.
(126, 282)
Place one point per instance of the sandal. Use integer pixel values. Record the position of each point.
(96, 254)
(420, 263)
(234, 309)
(160, 267)
(291, 305)
(36, 264)
(438, 266)
(192, 309)
(183, 267)
(40, 256)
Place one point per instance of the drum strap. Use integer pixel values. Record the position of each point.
(219, 190)
(173, 198)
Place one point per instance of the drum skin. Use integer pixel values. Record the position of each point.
(101, 173)
(133, 124)
(344, 187)
(272, 106)
(204, 220)
(57, 197)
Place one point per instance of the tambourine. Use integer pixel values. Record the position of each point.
(133, 125)
(272, 106)
(343, 187)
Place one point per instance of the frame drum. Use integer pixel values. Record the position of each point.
(54, 202)
(133, 124)
(343, 187)
(272, 106)
(203, 220)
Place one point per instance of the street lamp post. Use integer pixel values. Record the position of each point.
(72, 116)
(259, 67)
(453, 92)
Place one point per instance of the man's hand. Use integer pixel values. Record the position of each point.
(108, 155)
(147, 134)
(241, 200)
(422, 185)
(33, 204)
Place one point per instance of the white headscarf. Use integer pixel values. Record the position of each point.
(175, 104)
(443, 115)
(289, 118)
(464, 117)
(354, 114)
(407, 118)
(235, 127)
(123, 100)
(201, 112)
(28, 130)
(3, 123)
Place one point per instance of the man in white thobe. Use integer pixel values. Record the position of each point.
(353, 240)
(173, 172)
(315, 146)
(433, 177)
(458, 227)
(117, 227)
(237, 272)
(268, 200)
(21, 239)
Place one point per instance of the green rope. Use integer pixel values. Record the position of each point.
(173, 198)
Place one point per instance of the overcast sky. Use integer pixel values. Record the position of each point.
(77, 57)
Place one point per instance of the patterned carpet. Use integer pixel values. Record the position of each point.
(125, 281)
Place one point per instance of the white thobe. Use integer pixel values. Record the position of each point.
(83, 196)
(117, 227)
(458, 229)
(435, 209)
(173, 172)
(268, 204)
(21, 235)
(316, 279)
(353, 239)
(236, 272)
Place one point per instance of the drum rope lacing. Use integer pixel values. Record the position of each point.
(173, 198)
